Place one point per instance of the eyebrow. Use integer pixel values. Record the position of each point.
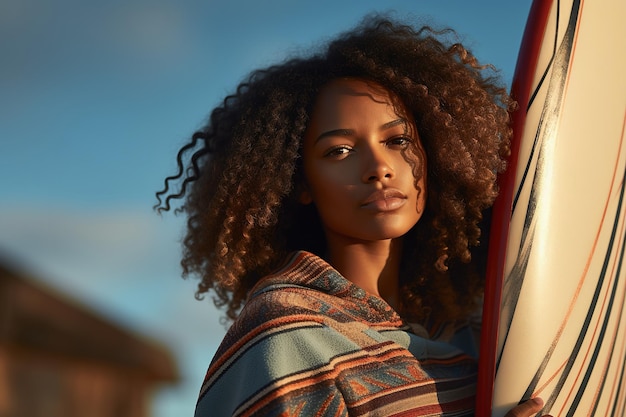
(350, 132)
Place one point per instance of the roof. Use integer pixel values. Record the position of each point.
(35, 319)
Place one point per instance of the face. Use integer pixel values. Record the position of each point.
(363, 162)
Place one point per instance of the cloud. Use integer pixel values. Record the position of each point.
(124, 38)
(148, 33)
(124, 262)
(106, 240)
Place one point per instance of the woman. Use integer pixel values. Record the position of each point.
(337, 198)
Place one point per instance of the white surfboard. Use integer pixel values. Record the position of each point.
(560, 280)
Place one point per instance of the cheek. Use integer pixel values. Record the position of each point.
(327, 193)
(324, 183)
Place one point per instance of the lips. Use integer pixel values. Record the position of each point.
(387, 199)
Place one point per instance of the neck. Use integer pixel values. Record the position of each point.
(373, 266)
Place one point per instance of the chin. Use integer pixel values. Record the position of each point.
(387, 233)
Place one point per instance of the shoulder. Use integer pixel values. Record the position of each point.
(301, 317)
(293, 302)
(282, 310)
(282, 341)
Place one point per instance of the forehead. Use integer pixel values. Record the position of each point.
(352, 95)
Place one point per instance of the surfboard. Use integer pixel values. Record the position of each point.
(554, 317)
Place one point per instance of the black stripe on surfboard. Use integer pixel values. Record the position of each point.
(613, 354)
(619, 403)
(618, 396)
(605, 324)
(615, 394)
(555, 44)
(547, 123)
(579, 341)
(620, 355)
(531, 100)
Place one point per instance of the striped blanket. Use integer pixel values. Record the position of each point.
(311, 343)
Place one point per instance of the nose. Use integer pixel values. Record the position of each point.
(377, 166)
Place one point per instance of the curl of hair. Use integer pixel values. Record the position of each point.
(239, 175)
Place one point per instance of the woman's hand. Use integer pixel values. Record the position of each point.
(527, 409)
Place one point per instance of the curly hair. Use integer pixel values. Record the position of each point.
(239, 175)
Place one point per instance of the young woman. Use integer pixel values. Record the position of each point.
(334, 203)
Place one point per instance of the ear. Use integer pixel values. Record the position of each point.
(304, 194)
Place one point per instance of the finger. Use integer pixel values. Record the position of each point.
(526, 409)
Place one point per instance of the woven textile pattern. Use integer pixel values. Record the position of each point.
(311, 343)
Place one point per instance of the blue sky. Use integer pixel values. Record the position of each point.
(96, 98)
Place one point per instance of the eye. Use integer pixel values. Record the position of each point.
(399, 142)
(338, 151)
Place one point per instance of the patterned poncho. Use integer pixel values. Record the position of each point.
(310, 343)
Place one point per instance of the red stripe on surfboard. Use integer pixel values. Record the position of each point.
(585, 271)
(596, 239)
(616, 392)
(615, 395)
(602, 219)
(520, 90)
(611, 356)
(593, 342)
